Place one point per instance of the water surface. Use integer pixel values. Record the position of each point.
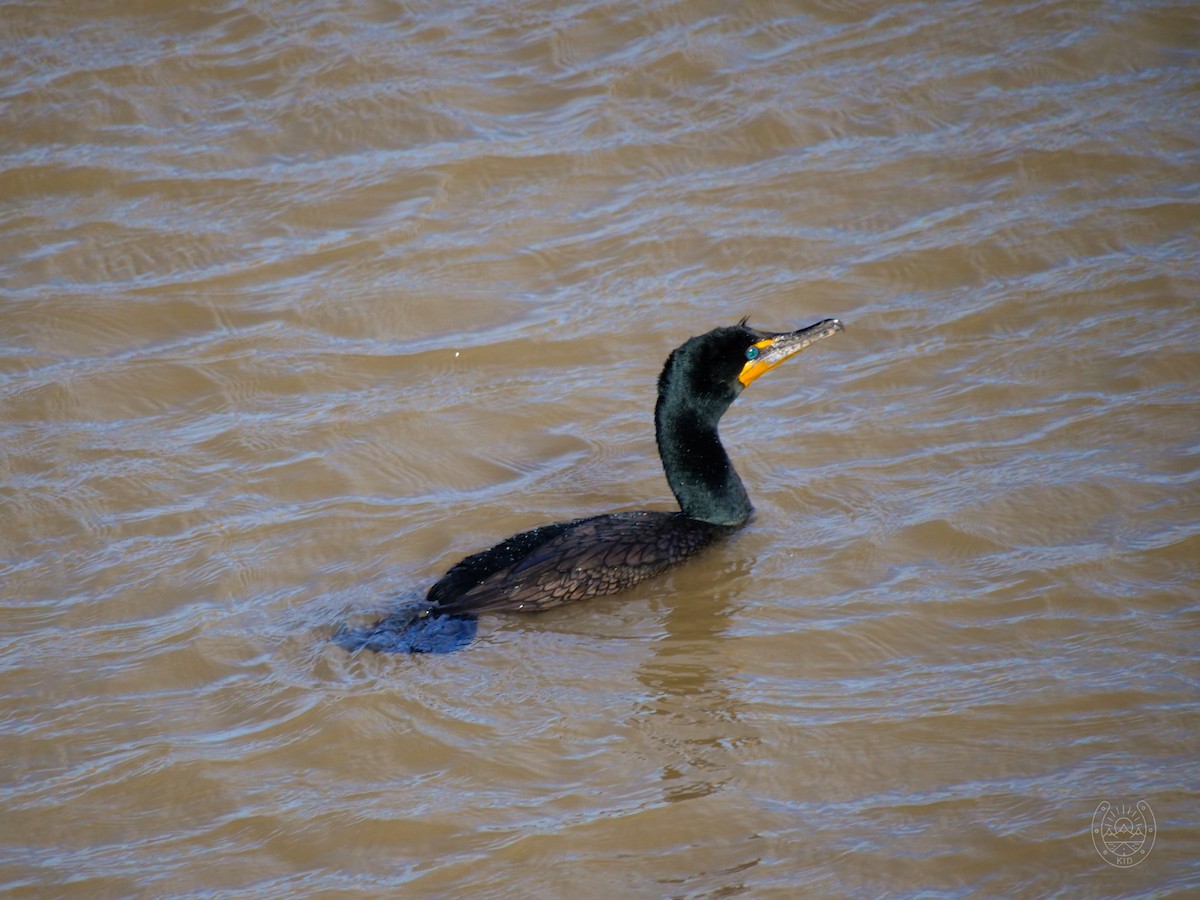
(301, 303)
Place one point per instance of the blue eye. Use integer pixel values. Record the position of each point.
(752, 353)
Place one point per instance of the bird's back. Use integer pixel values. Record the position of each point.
(568, 561)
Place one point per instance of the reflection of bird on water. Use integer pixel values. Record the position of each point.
(569, 561)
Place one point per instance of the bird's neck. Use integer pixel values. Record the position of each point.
(698, 469)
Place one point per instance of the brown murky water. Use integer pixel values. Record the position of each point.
(302, 302)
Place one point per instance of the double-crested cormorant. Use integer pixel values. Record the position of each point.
(569, 561)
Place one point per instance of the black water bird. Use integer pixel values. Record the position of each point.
(589, 557)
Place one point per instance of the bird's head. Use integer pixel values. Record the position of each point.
(713, 368)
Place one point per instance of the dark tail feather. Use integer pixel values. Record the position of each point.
(414, 628)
